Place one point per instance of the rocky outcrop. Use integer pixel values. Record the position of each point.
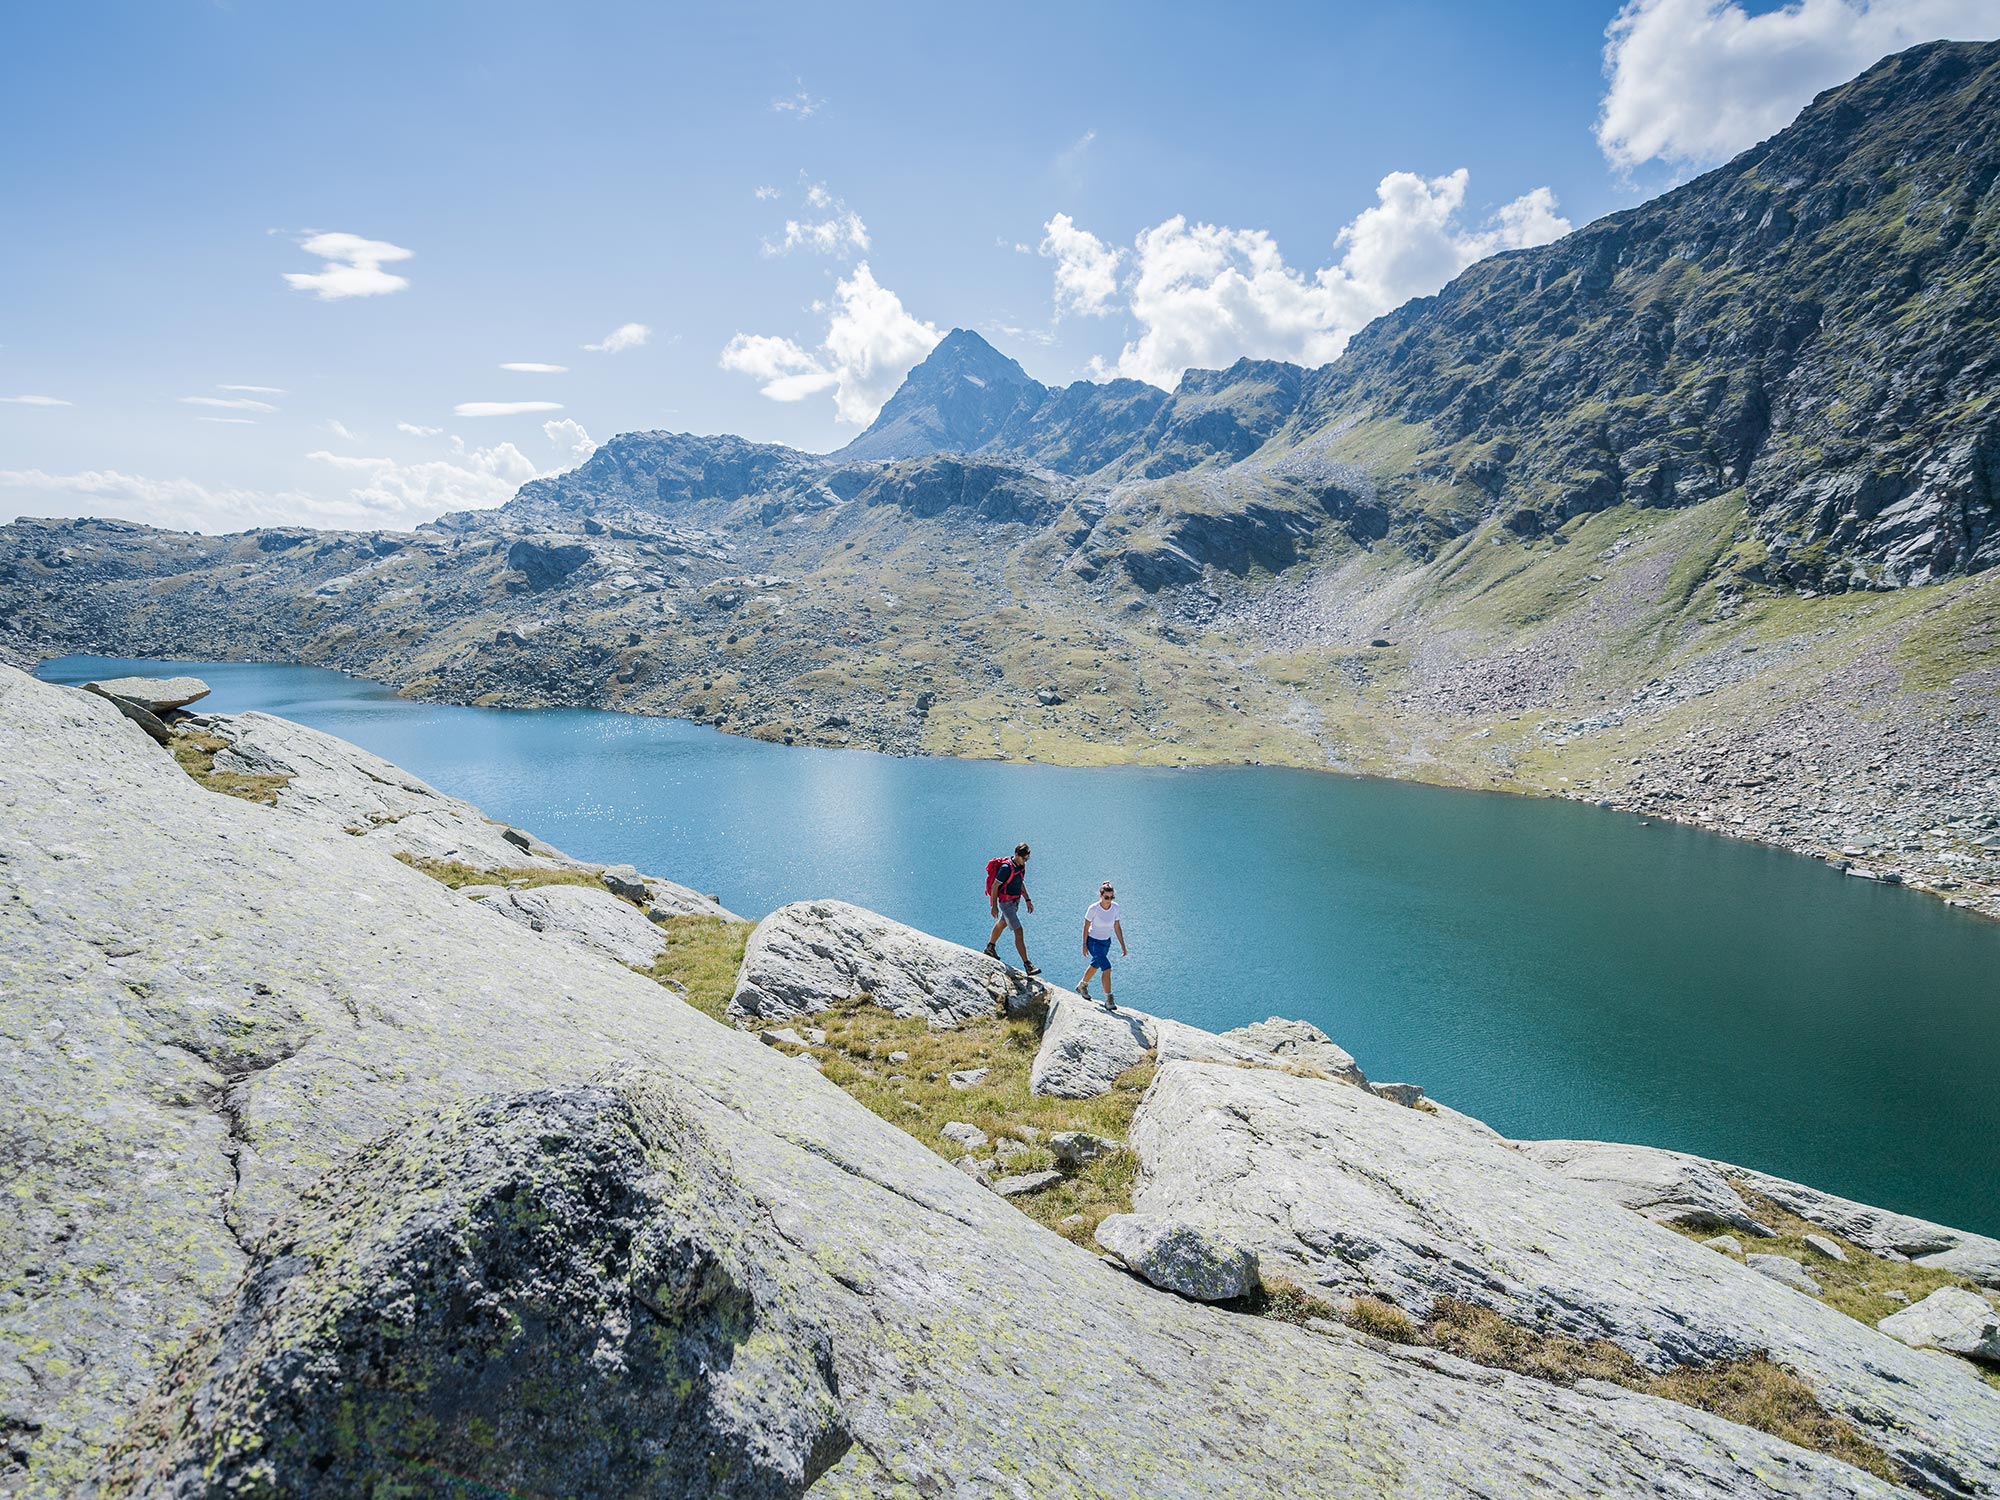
(1951, 1319)
(582, 914)
(1346, 1194)
(431, 1295)
(1668, 1187)
(203, 1050)
(812, 954)
(1085, 1047)
(156, 694)
(1974, 1256)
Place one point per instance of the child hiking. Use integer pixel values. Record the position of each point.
(1006, 890)
(1100, 926)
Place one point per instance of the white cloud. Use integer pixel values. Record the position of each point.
(871, 343)
(525, 368)
(766, 194)
(400, 494)
(624, 336)
(1693, 82)
(503, 408)
(1205, 295)
(569, 436)
(228, 403)
(1086, 267)
(339, 430)
(182, 503)
(353, 267)
(842, 233)
(415, 431)
(800, 105)
(255, 390)
(35, 401)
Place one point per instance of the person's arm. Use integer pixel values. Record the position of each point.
(1027, 900)
(1119, 928)
(1086, 937)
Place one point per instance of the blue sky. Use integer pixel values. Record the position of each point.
(534, 177)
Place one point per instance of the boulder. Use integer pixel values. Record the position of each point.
(587, 1241)
(157, 695)
(586, 916)
(225, 1030)
(963, 1133)
(1297, 1043)
(1668, 1187)
(138, 713)
(1728, 1244)
(1195, 1260)
(1821, 1245)
(1405, 1094)
(1345, 1194)
(812, 954)
(1951, 1319)
(980, 1170)
(1784, 1270)
(1084, 1048)
(626, 881)
(1075, 1148)
(968, 1078)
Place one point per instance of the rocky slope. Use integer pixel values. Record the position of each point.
(329, 1179)
(1691, 512)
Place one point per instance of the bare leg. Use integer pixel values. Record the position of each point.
(998, 928)
(1021, 942)
(1107, 984)
(1084, 983)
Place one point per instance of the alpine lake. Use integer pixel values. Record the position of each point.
(1553, 968)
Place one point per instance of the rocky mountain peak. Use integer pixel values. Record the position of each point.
(957, 400)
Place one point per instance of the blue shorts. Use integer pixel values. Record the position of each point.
(1100, 953)
(1010, 913)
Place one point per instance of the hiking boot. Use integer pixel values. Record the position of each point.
(1109, 1003)
(989, 951)
(1083, 989)
(1028, 968)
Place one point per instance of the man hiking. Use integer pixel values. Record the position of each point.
(1100, 926)
(1006, 890)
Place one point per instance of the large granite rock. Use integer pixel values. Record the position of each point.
(196, 1044)
(1194, 1260)
(585, 915)
(1951, 1319)
(1346, 1194)
(1668, 1187)
(1085, 1047)
(446, 1281)
(806, 956)
(1662, 1183)
(157, 694)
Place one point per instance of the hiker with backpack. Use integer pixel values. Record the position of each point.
(1100, 924)
(1006, 890)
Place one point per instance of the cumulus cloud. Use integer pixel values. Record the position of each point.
(523, 367)
(569, 436)
(229, 403)
(1693, 82)
(1206, 295)
(401, 494)
(624, 336)
(503, 408)
(1086, 267)
(415, 431)
(841, 234)
(800, 105)
(353, 267)
(872, 341)
(35, 401)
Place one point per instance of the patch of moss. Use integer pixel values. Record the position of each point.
(194, 751)
(700, 961)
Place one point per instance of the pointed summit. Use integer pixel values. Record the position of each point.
(956, 401)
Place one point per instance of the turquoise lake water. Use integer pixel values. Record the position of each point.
(1555, 969)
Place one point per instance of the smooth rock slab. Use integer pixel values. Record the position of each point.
(586, 916)
(1346, 1194)
(1194, 1260)
(1026, 1182)
(1668, 1187)
(1824, 1246)
(1952, 1319)
(1084, 1048)
(813, 954)
(159, 694)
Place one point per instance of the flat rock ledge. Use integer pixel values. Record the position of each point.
(1952, 1319)
(157, 694)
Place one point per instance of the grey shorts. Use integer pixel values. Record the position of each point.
(1010, 913)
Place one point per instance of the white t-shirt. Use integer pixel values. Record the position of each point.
(1100, 917)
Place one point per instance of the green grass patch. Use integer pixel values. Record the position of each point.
(915, 1094)
(194, 752)
(457, 874)
(700, 961)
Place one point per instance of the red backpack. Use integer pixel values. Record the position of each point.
(996, 882)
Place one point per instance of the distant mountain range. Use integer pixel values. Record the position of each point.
(1599, 516)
